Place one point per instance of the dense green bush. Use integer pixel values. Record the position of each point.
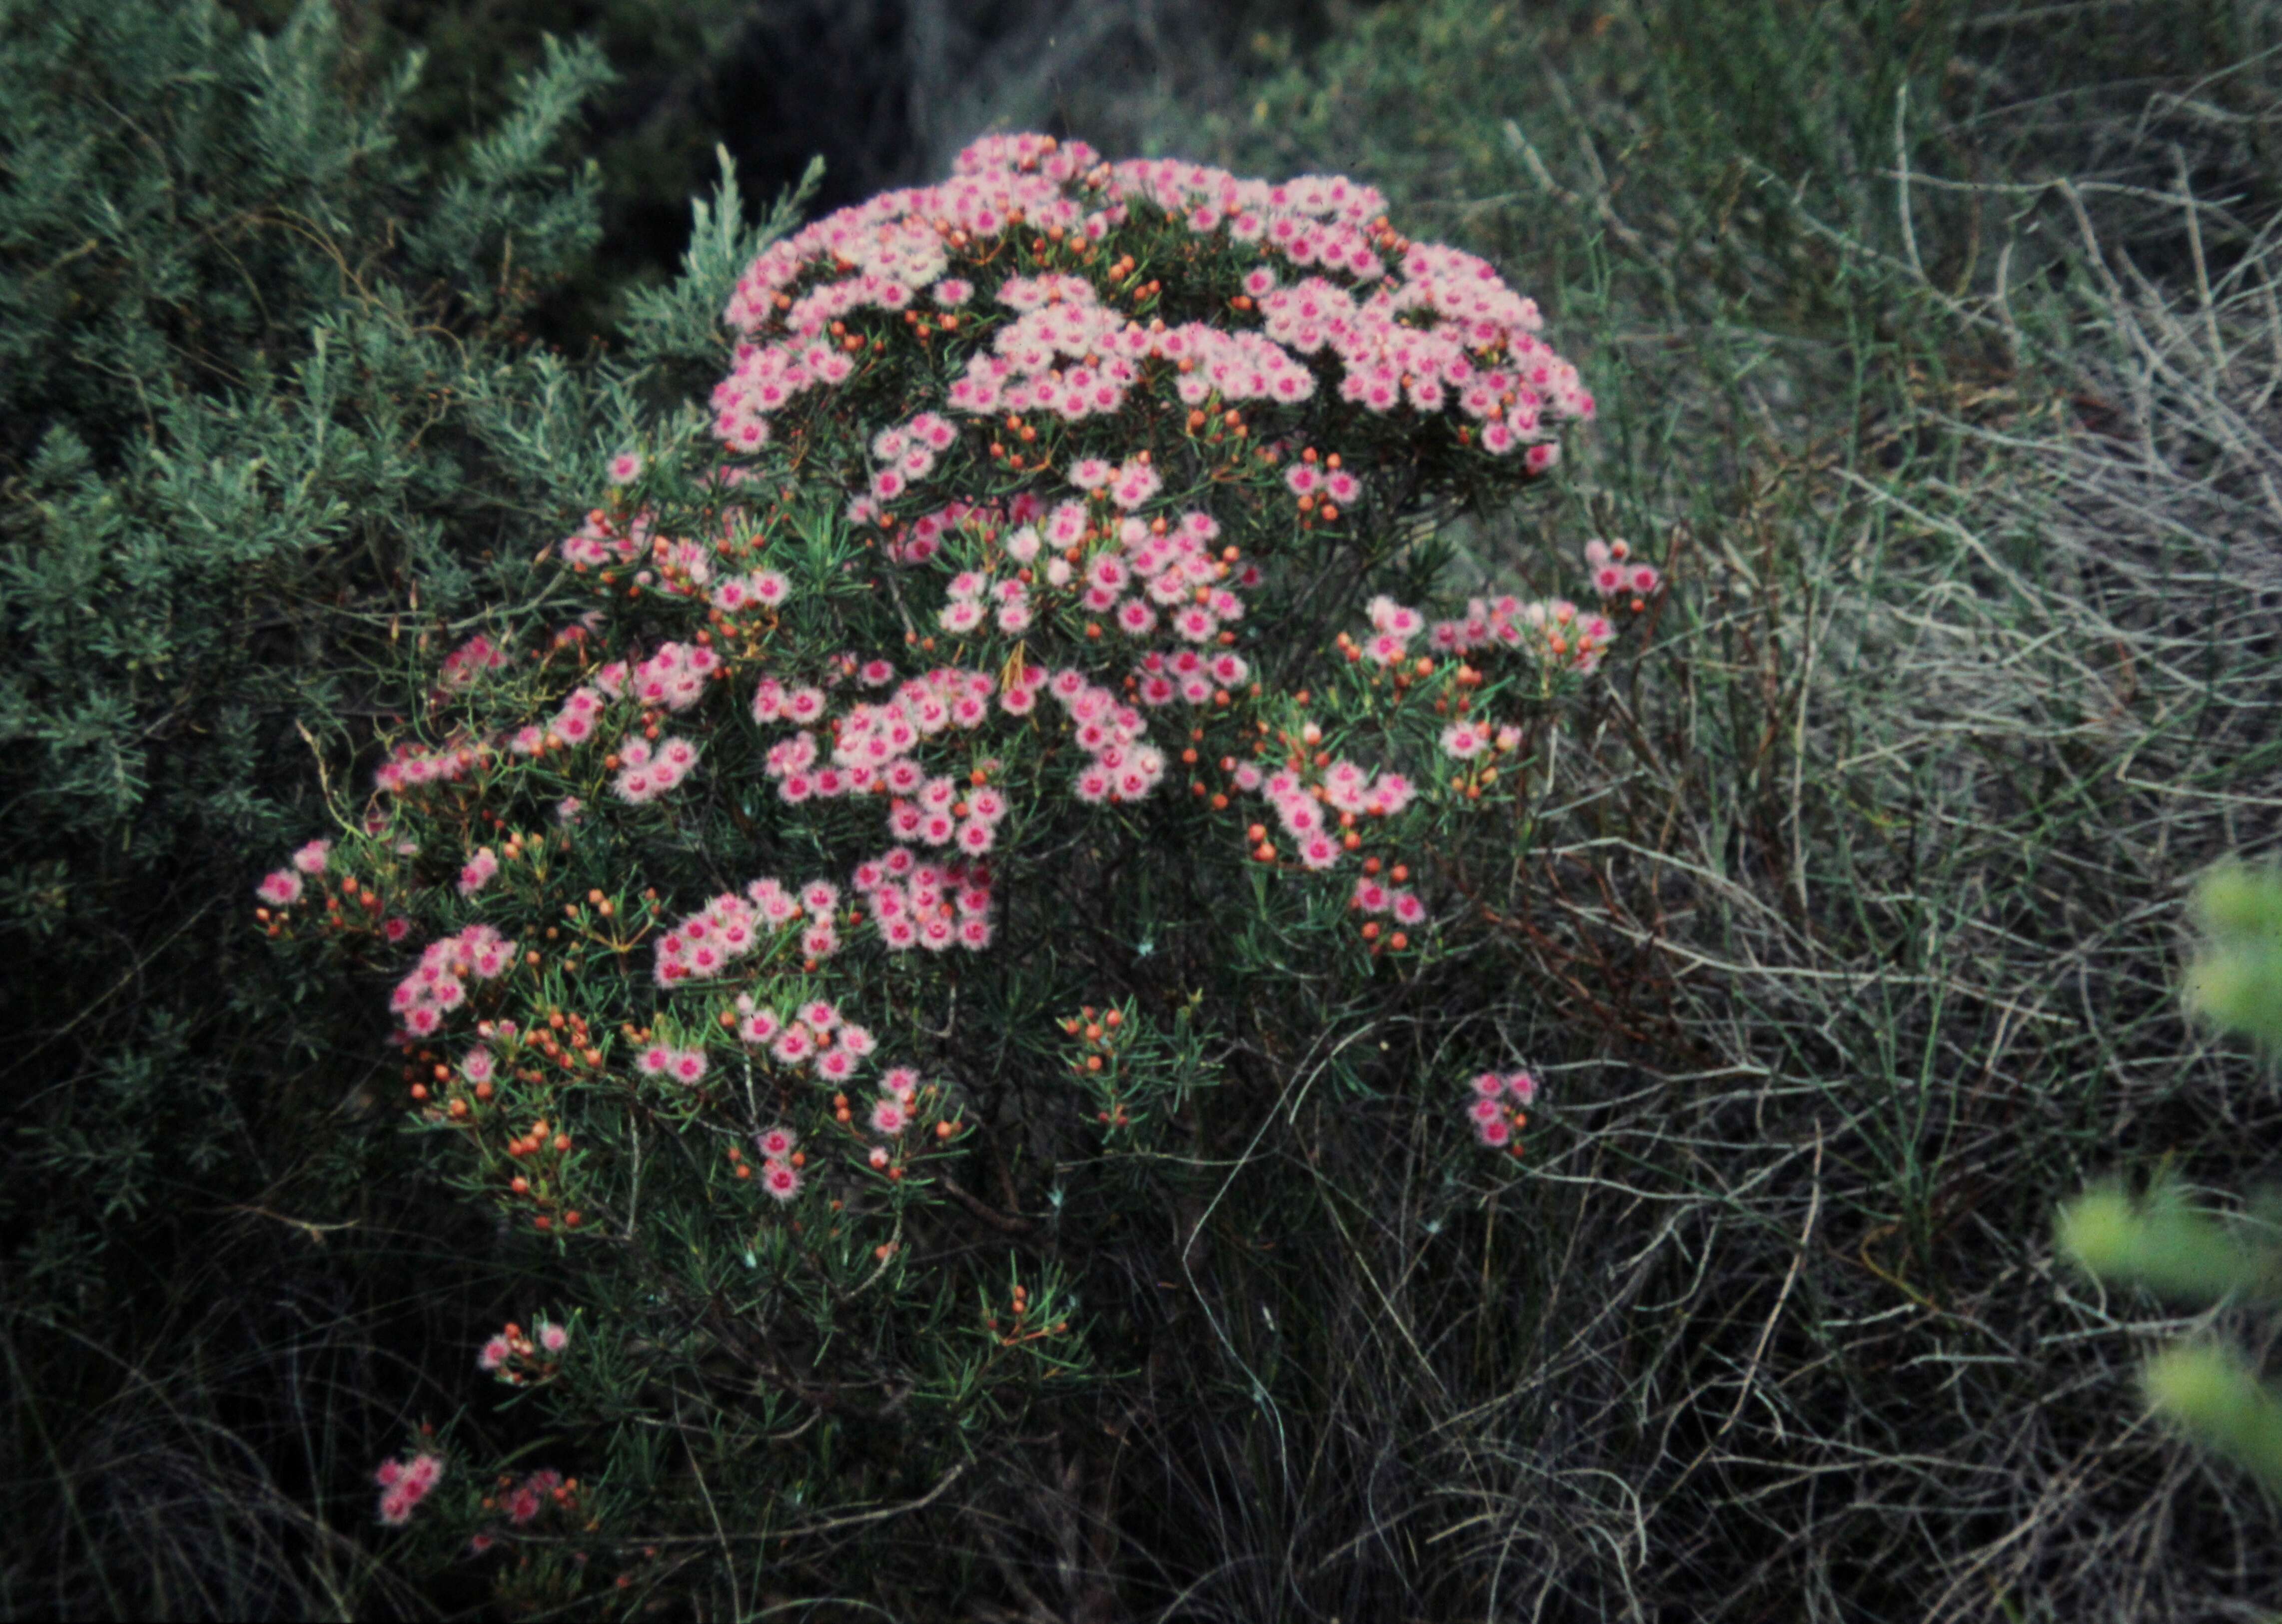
(267, 426)
(1072, 528)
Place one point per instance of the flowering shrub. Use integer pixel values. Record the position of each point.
(1042, 613)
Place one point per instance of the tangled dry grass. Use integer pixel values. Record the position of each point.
(1859, 915)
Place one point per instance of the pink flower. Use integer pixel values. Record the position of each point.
(889, 1115)
(311, 859)
(625, 468)
(477, 871)
(1494, 1132)
(280, 888)
(687, 1065)
(1135, 482)
(493, 1355)
(776, 1144)
(554, 1338)
(1521, 1085)
(793, 1045)
(1489, 1086)
(781, 1179)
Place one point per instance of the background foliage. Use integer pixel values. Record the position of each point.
(1935, 343)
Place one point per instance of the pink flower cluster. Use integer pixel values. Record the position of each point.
(1187, 675)
(1494, 1121)
(816, 1035)
(938, 814)
(873, 742)
(1375, 896)
(672, 679)
(758, 589)
(529, 1497)
(1447, 328)
(706, 943)
(404, 1484)
(894, 1111)
(1331, 484)
(438, 984)
(1124, 768)
(410, 766)
(502, 1352)
(917, 904)
(686, 1066)
(477, 872)
(602, 540)
(779, 1176)
(573, 723)
(1343, 786)
(1423, 325)
(1613, 576)
(1394, 628)
(644, 773)
(468, 662)
(1553, 629)
(904, 455)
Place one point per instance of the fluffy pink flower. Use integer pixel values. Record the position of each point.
(554, 1338)
(625, 468)
(781, 1179)
(477, 871)
(280, 888)
(493, 1355)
